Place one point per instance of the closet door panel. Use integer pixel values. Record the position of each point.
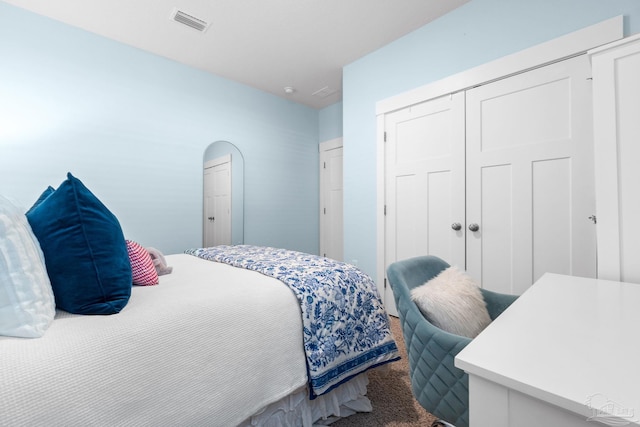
(411, 230)
(424, 182)
(418, 227)
(616, 110)
(496, 234)
(534, 219)
(424, 191)
(551, 221)
(442, 196)
(517, 117)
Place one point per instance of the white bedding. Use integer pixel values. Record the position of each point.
(230, 343)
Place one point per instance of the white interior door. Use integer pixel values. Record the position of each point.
(530, 183)
(331, 200)
(424, 183)
(616, 109)
(217, 202)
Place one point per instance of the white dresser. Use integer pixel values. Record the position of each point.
(566, 353)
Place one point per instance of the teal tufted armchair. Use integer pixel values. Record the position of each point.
(440, 387)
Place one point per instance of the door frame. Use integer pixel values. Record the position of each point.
(564, 47)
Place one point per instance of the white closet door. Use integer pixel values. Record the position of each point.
(424, 188)
(616, 109)
(530, 183)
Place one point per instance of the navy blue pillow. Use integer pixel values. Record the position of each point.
(84, 250)
(46, 193)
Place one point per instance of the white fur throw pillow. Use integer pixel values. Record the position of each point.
(453, 302)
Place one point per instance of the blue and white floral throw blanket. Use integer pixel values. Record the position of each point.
(345, 327)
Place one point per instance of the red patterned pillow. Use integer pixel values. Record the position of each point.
(144, 272)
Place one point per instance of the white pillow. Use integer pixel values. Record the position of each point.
(453, 302)
(27, 304)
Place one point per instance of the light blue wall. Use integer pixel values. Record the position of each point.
(476, 33)
(330, 122)
(134, 128)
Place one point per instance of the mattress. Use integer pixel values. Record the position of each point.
(210, 345)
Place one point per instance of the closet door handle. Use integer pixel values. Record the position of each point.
(474, 227)
(456, 226)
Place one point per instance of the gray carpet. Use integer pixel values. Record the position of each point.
(390, 394)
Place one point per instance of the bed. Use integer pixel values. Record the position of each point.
(212, 344)
(233, 336)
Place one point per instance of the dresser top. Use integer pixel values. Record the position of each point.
(569, 341)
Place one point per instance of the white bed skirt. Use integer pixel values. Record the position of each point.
(296, 410)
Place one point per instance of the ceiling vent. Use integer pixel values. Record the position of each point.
(189, 20)
(324, 92)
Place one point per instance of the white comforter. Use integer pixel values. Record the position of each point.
(210, 345)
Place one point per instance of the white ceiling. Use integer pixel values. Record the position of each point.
(266, 44)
